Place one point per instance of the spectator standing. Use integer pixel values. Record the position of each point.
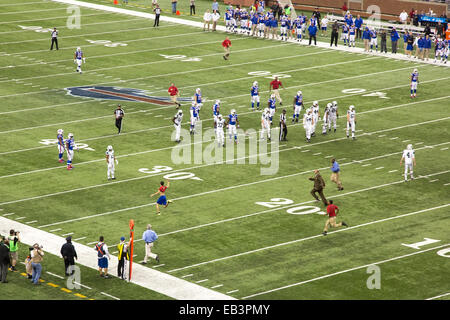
(323, 26)
(215, 6)
(344, 8)
(192, 7)
(427, 30)
(334, 34)
(157, 12)
(54, 39)
(383, 41)
(226, 44)
(335, 169)
(358, 24)
(174, 6)
(419, 48)
(174, 93)
(4, 260)
(403, 17)
(275, 7)
(426, 47)
(319, 185)
(405, 41)
(394, 40)
(440, 30)
(366, 39)
(14, 239)
(416, 19)
(37, 256)
(312, 30)
(215, 18)
(103, 256)
(123, 257)
(411, 16)
(206, 19)
(316, 14)
(410, 43)
(149, 236)
(69, 255)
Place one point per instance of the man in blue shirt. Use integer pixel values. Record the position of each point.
(366, 38)
(335, 174)
(312, 29)
(149, 236)
(394, 40)
(358, 25)
(426, 47)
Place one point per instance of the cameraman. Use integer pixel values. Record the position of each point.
(14, 239)
(37, 256)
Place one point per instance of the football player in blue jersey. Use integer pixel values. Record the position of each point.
(198, 99)
(61, 146)
(440, 48)
(254, 93)
(253, 23)
(298, 103)
(298, 28)
(373, 39)
(78, 59)
(232, 123)
(227, 18)
(272, 106)
(244, 22)
(70, 145)
(194, 117)
(352, 36)
(414, 82)
(345, 33)
(283, 28)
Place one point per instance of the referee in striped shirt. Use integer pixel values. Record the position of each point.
(283, 127)
(54, 39)
(119, 114)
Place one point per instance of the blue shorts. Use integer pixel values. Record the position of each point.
(409, 47)
(324, 28)
(162, 200)
(103, 262)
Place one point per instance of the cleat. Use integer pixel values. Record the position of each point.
(354, 138)
(169, 201)
(143, 262)
(348, 137)
(344, 224)
(324, 233)
(113, 178)
(157, 258)
(61, 160)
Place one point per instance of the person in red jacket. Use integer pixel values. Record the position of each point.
(226, 44)
(332, 211)
(174, 93)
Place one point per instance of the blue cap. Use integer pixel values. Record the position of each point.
(122, 239)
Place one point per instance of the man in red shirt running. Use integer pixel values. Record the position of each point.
(162, 200)
(274, 85)
(226, 44)
(332, 211)
(174, 93)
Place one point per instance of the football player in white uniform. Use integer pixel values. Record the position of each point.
(333, 115)
(316, 115)
(351, 121)
(79, 59)
(265, 124)
(308, 123)
(326, 118)
(410, 161)
(61, 147)
(177, 119)
(219, 125)
(111, 161)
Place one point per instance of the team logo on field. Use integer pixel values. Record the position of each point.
(121, 94)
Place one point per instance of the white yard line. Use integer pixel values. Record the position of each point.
(345, 271)
(439, 296)
(108, 295)
(379, 168)
(51, 18)
(145, 277)
(444, 149)
(308, 238)
(393, 171)
(232, 291)
(187, 276)
(55, 275)
(200, 281)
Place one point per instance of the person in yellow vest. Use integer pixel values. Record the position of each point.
(14, 239)
(123, 257)
(37, 256)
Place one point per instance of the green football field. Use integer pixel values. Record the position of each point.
(230, 228)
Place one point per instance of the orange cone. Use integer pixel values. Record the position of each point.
(178, 13)
(116, 2)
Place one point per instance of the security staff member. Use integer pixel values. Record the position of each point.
(123, 256)
(283, 127)
(54, 39)
(319, 185)
(119, 114)
(69, 255)
(157, 12)
(334, 34)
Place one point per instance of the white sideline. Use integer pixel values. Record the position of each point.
(223, 29)
(351, 269)
(308, 238)
(204, 165)
(145, 277)
(439, 296)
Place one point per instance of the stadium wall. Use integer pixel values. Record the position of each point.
(390, 9)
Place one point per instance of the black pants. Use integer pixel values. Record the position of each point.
(192, 9)
(156, 24)
(322, 196)
(383, 46)
(312, 37)
(394, 46)
(54, 41)
(121, 268)
(358, 33)
(119, 124)
(334, 38)
(68, 261)
(3, 271)
(283, 132)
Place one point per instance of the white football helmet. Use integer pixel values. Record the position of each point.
(352, 107)
(255, 83)
(334, 103)
(316, 103)
(299, 93)
(217, 101)
(197, 90)
(60, 131)
(70, 135)
(219, 117)
(109, 148)
(272, 96)
(409, 147)
(78, 49)
(415, 71)
(266, 110)
(233, 111)
(329, 105)
(180, 112)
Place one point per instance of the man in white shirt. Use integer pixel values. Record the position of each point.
(206, 19)
(215, 18)
(403, 17)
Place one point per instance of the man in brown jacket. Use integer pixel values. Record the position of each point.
(36, 258)
(319, 185)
